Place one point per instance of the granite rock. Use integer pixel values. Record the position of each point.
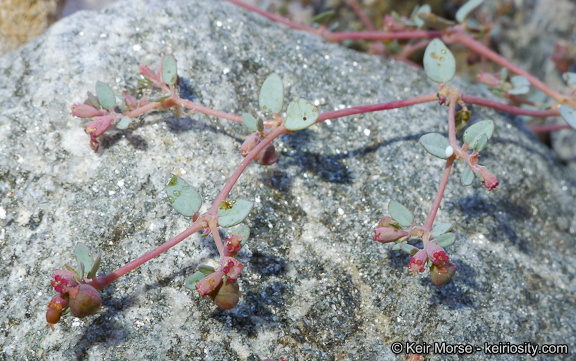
(315, 285)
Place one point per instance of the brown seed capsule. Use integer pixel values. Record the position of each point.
(84, 301)
(227, 295)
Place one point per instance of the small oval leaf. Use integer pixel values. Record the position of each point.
(92, 98)
(400, 214)
(105, 95)
(194, 279)
(439, 63)
(124, 122)
(467, 176)
(411, 250)
(422, 9)
(231, 214)
(435, 144)
(183, 198)
(466, 9)
(479, 143)
(440, 229)
(244, 232)
(83, 256)
(272, 94)
(250, 122)
(569, 115)
(206, 269)
(485, 127)
(300, 115)
(570, 79)
(95, 266)
(520, 85)
(446, 240)
(169, 70)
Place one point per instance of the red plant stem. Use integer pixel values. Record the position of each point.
(175, 100)
(376, 107)
(447, 167)
(205, 110)
(383, 35)
(453, 99)
(249, 157)
(103, 281)
(361, 15)
(217, 239)
(439, 195)
(548, 128)
(483, 50)
(275, 17)
(471, 99)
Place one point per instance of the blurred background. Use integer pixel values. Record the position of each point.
(23, 20)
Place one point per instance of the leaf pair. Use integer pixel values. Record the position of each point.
(85, 262)
(187, 201)
(300, 113)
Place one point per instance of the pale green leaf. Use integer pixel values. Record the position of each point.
(206, 269)
(95, 266)
(411, 250)
(169, 70)
(105, 95)
(272, 94)
(124, 122)
(467, 176)
(250, 122)
(231, 213)
(183, 198)
(479, 143)
(244, 232)
(472, 134)
(418, 10)
(400, 214)
(569, 115)
(439, 63)
(436, 144)
(83, 256)
(520, 84)
(300, 115)
(440, 229)
(570, 79)
(94, 100)
(466, 9)
(446, 239)
(194, 279)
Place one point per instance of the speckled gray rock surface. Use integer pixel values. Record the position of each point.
(316, 286)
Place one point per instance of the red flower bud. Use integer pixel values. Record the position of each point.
(232, 244)
(209, 283)
(231, 268)
(63, 280)
(131, 102)
(86, 111)
(418, 261)
(84, 300)
(55, 308)
(250, 143)
(488, 179)
(98, 126)
(489, 79)
(388, 234)
(436, 253)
